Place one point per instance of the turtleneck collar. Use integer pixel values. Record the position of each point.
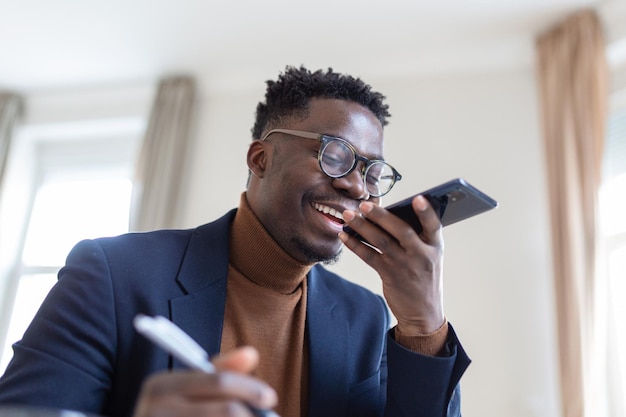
(255, 254)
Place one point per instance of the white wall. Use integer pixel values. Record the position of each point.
(499, 296)
(498, 276)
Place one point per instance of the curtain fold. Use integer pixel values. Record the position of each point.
(11, 109)
(573, 83)
(158, 176)
(11, 113)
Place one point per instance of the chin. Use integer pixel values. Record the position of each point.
(316, 254)
(332, 260)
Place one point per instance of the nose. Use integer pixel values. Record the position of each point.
(353, 185)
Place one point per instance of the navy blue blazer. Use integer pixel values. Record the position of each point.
(82, 353)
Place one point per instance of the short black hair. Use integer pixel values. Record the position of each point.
(291, 93)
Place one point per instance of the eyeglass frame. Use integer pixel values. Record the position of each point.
(324, 140)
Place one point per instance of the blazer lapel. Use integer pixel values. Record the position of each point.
(329, 332)
(200, 312)
(202, 276)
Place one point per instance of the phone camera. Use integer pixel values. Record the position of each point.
(456, 195)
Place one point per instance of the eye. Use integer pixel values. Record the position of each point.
(374, 174)
(337, 154)
(372, 179)
(333, 159)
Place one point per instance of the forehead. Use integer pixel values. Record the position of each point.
(345, 119)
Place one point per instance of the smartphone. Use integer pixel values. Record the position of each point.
(453, 201)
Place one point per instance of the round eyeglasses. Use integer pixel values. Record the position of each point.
(338, 158)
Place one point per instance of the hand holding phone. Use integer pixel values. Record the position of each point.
(453, 201)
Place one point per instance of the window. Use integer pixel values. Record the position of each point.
(80, 187)
(612, 216)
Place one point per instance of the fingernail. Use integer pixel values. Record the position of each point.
(422, 204)
(366, 207)
(343, 236)
(269, 398)
(348, 215)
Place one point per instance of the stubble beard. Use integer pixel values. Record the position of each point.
(313, 256)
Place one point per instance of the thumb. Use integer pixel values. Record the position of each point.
(242, 360)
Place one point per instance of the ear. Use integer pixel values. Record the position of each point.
(257, 158)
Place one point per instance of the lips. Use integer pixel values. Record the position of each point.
(329, 212)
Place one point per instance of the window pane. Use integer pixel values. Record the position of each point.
(613, 206)
(67, 211)
(617, 275)
(617, 272)
(615, 145)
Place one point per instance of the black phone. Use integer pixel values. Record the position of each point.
(453, 201)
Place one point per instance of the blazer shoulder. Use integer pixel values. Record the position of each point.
(159, 252)
(165, 242)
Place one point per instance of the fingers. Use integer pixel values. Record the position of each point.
(199, 386)
(367, 230)
(409, 264)
(397, 230)
(198, 409)
(187, 393)
(431, 224)
(243, 360)
(229, 392)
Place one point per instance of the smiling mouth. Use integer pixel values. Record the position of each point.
(329, 212)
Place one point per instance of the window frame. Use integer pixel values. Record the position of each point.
(610, 244)
(39, 151)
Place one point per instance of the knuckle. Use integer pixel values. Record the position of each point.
(370, 256)
(407, 235)
(383, 245)
(428, 266)
(221, 380)
(258, 394)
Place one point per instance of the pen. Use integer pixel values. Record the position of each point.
(171, 338)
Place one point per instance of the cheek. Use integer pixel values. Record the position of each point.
(293, 172)
(296, 172)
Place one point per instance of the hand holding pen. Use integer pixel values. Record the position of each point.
(177, 393)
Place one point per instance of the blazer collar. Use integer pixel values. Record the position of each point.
(206, 259)
(200, 312)
(202, 278)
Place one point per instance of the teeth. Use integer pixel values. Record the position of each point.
(328, 210)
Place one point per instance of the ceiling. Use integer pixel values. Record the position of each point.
(68, 44)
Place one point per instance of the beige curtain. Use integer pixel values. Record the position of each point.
(159, 170)
(11, 108)
(572, 76)
(11, 112)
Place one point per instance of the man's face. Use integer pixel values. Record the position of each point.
(289, 193)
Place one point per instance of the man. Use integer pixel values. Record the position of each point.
(320, 345)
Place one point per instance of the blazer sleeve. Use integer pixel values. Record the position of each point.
(424, 386)
(66, 356)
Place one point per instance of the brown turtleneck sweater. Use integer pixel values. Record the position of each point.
(266, 308)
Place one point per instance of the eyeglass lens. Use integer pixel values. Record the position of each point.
(337, 160)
